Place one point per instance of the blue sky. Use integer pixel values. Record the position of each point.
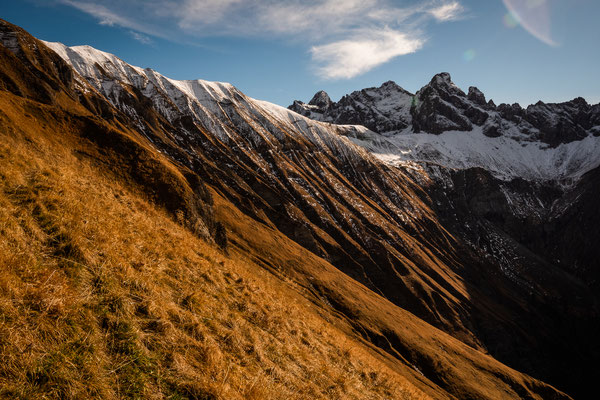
(280, 50)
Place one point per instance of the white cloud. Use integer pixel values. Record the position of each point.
(104, 15)
(346, 37)
(315, 18)
(323, 17)
(348, 58)
(447, 12)
(140, 37)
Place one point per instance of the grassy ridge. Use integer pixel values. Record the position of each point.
(103, 295)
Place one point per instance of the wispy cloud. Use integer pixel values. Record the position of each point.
(313, 18)
(114, 14)
(198, 14)
(349, 58)
(447, 12)
(345, 38)
(140, 37)
(103, 14)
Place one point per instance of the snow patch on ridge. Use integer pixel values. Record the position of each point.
(86, 60)
(504, 157)
(218, 106)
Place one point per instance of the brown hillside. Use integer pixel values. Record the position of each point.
(103, 295)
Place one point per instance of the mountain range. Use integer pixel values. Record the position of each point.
(448, 243)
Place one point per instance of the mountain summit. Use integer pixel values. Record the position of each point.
(382, 109)
(440, 106)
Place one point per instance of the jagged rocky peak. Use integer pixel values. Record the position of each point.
(442, 84)
(442, 106)
(382, 109)
(443, 78)
(563, 122)
(322, 100)
(391, 86)
(579, 102)
(512, 112)
(316, 107)
(476, 96)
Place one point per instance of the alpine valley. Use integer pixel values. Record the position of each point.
(179, 239)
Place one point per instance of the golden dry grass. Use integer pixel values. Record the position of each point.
(103, 295)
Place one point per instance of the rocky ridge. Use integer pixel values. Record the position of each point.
(441, 124)
(440, 106)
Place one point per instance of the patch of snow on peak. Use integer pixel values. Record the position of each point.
(99, 67)
(503, 156)
(202, 90)
(85, 59)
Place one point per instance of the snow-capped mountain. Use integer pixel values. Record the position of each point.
(219, 107)
(385, 109)
(440, 124)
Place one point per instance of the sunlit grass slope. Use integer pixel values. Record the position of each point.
(104, 295)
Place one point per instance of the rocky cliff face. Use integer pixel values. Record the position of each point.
(450, 245)
(441, 106)
(384, 109)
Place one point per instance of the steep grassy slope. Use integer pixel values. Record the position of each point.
(403, 339)
(104, 295)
